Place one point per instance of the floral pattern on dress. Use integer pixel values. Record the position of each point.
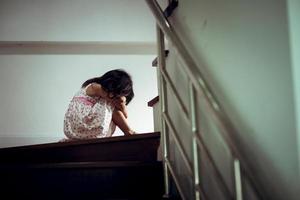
(88, 117)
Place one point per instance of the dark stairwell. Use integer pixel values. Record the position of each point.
(108, 168)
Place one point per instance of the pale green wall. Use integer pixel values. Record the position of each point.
(243, 48)
(294, 25)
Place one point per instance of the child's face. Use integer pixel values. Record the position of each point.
(111, 96)
(107, 96)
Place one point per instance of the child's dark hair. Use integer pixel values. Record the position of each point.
(118, 82)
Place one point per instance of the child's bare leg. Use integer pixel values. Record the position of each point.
(120, 120)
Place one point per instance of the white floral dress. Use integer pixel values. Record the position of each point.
(88, 117)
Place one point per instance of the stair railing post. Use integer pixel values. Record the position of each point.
(194, 129)
(161, 65)
(237, 179)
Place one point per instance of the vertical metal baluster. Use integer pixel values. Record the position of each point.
(165, 149)
(238, 179)
(161, 65)
(195, 146)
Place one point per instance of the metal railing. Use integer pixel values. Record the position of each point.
(198, 84)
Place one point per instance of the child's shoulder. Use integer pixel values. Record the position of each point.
(94, 89)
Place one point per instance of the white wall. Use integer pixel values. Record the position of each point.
(243, 48)
(36, 89)
(76, 20)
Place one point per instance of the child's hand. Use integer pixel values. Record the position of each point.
(120, 104)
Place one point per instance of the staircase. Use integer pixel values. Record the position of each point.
(109, 168)
(204, 156)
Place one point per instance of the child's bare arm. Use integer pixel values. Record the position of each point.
(120, 104)
(96, 90)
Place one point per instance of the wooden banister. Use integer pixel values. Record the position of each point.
(153, 101)
(154, 62)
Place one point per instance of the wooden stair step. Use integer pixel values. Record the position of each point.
(140, 147)
(84, 180)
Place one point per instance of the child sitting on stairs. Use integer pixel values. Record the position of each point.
(100, 106)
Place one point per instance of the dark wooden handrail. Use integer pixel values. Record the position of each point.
(171, 7)
(154, 62)
(153, 101)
